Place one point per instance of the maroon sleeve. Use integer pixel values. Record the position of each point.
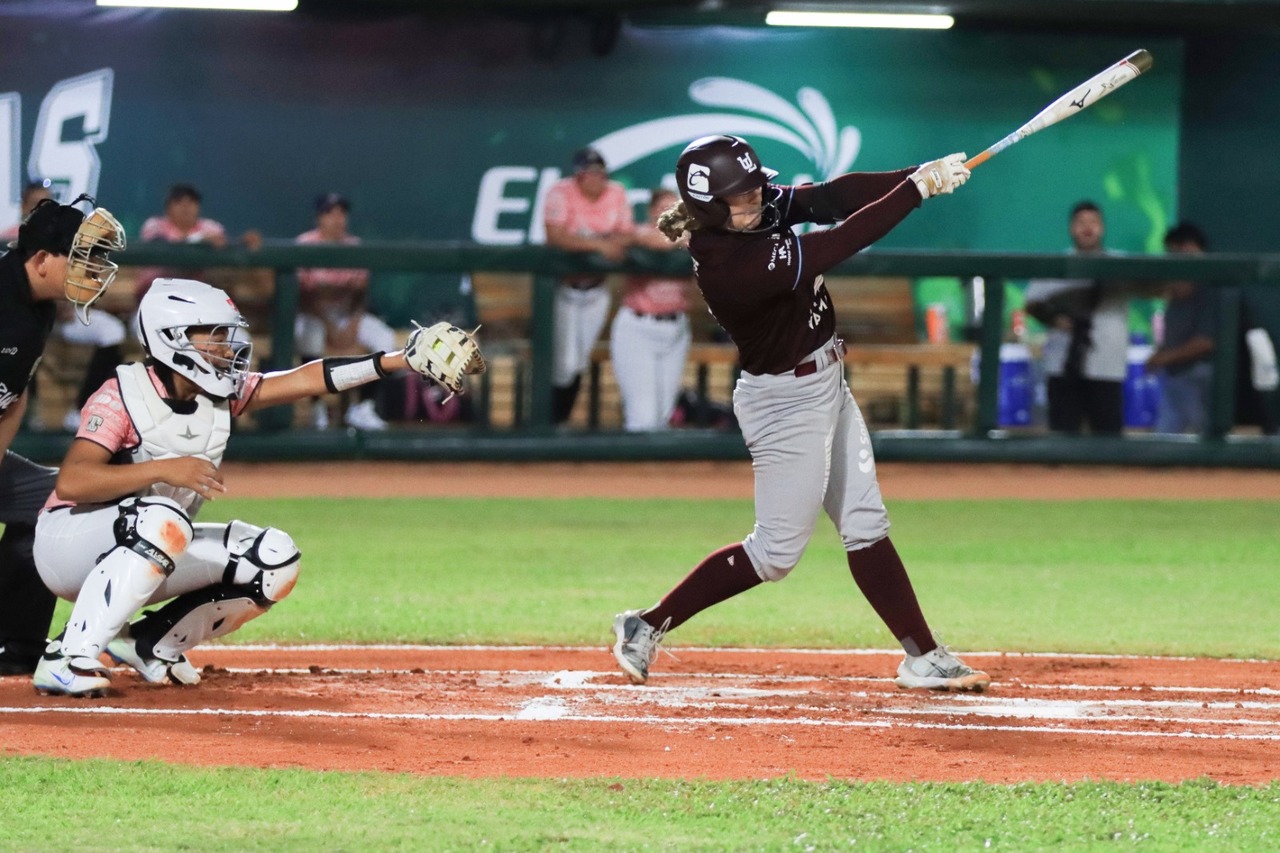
(822, 250)
(840, 197)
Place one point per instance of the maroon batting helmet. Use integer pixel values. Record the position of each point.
(714, 167)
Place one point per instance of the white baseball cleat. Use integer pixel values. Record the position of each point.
(363, 416)
(637, 644)
(58, 675)
(940, 670)
(124, 649)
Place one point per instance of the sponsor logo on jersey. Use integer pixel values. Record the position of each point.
(780, 253)
(94, 423)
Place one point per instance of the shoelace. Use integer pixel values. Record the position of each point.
(653, 643)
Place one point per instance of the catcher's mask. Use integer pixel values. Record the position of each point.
(86, 241)
(713, 168)
(175, 308)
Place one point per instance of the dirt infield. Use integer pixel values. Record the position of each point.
(731, 713)
(718, 714)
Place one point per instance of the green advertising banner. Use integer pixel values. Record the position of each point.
(453, 130)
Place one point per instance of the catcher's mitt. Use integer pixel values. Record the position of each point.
(444, 353)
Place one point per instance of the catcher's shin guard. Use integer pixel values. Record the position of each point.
(152, 533)
(262, 569)
(193, 618)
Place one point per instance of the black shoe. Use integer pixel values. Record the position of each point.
(19, 657)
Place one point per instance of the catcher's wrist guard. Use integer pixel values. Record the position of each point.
(341, 373)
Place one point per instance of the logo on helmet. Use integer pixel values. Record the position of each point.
(748, 165)
(699, 182)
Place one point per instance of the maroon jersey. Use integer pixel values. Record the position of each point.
(766, 288)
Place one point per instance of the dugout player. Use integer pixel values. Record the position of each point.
(585, 212)
(59, 253)
(809, 446)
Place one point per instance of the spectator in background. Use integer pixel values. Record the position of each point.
(649, 339)
(1086, 338)
(104, 332)
(182, 223)
(1184, 359)
(332, 313)
(585, 212)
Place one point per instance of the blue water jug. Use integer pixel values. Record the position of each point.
(1016, 387)
(1141, 389)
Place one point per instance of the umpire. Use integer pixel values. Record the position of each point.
(59, 252)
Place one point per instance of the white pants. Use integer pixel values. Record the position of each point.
(104, 330)
(373, 335)
(70, 541)
(648, 361)
(579, 317)
(810, 451)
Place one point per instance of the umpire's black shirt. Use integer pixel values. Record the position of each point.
(25, 325)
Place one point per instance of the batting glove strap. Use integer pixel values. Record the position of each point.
(341, 373)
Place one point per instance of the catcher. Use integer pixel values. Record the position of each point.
(118, 533)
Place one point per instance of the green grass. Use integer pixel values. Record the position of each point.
(154, 807)
(1105, 576)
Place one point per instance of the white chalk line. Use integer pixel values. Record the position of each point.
(664, 722)
(577, 688)
(712, 650)
(515, 677)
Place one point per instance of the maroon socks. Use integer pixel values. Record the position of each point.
(723, 574)
(879, 573)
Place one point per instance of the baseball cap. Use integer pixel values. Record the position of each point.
(329, 201)
(585, 159)
(51, 227)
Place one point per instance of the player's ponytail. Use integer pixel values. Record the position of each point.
(676, 221)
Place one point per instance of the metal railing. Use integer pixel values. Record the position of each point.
(988, 271)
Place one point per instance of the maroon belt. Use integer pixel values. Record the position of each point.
(830, 355)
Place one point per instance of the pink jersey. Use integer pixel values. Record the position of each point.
(105, 422)
(567, 207)
(656, 295)
(161, 229)
(9, 234)
(313, 278)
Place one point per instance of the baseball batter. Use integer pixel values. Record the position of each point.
(810, 448)
(118, 531)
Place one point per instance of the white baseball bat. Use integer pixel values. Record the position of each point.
(1096, 87)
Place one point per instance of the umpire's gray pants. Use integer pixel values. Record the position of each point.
(26, 606)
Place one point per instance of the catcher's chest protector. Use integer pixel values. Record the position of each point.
(168, 435)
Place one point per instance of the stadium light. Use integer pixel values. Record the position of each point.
(220, 5)
(881, 20)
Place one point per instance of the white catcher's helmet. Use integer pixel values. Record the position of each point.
(171, 308)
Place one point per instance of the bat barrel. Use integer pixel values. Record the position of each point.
(1141, 60)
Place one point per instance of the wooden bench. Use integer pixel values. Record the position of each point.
(903, 385)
